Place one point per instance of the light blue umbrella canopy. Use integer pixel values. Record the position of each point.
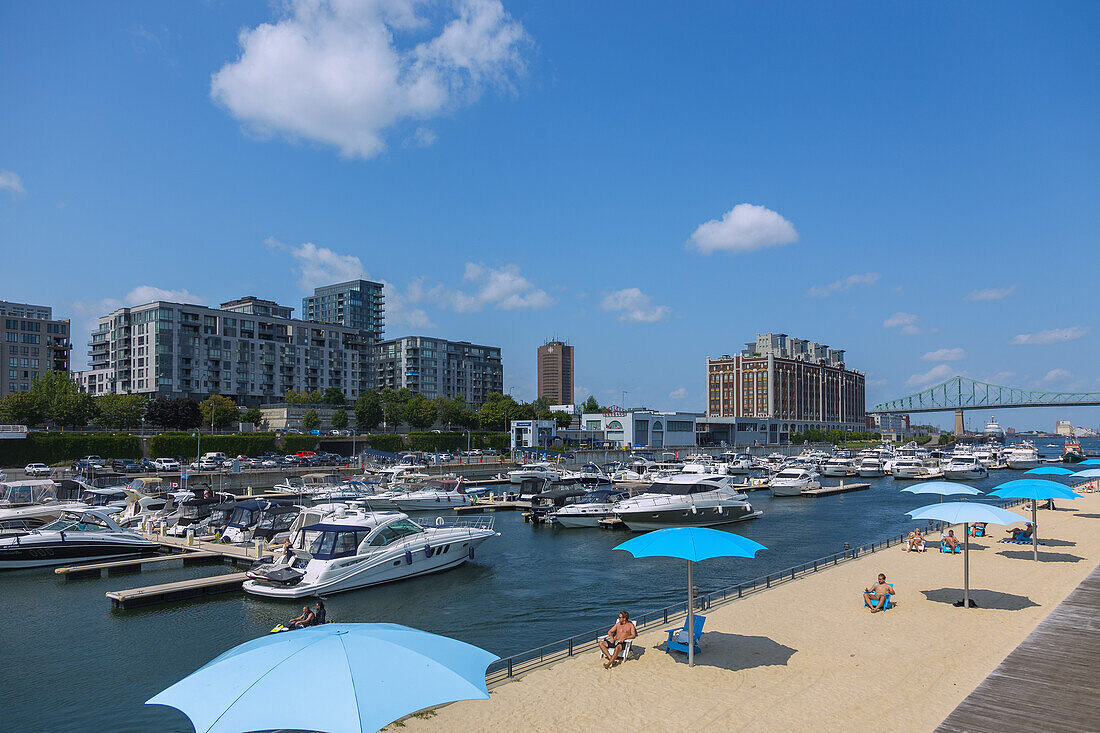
(336, 678)
(1088, 473)
(1049, 471)
(943, 488)
(1090, 462)
(1035, 489)
(965, 512)
(692, 544)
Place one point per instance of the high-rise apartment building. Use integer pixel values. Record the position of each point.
(555, 366)
(435, 367)
(355, 304)
(249, 349)
(33, 344)
(784, 378)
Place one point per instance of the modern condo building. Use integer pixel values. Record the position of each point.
(33, 344)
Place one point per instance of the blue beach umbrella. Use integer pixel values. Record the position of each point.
(1090, 462)
(1088, 473)
(692, 544)
(1049, 471)
(943, 488)
(965, 513)
(1035, 490)
(345, 678)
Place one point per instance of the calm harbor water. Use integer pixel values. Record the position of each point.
(74, 664)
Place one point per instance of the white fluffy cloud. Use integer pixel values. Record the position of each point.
(634, 306)
(945, 355)
(999, 378)
(844, 283)
(1052, 336)
(678, 394)
(503, 288)
(990, 294)
(343, 73)
(11, 182)
(907, 322)
(322, 266)
(937, 373)
(744, 228)
(1056, 375)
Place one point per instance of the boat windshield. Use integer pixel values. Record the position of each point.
(393, 532)
(74, 522)
(97, 498)
(597, 497)
(277, 521)
(242, 517)
(332, 542)
(661, 487)
(32, 493)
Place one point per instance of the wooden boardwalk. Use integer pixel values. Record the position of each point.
(1048, 683)
(181, 590)
(135, 565)
(843, 488)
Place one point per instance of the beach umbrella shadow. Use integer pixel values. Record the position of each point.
(1088, 516)
(1045, 557)
(990, 599)
(735, 652)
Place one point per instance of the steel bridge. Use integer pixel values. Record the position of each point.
(960, 393)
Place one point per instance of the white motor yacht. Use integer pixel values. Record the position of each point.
(1022, 456)
(75, 536)
(27, 493)
(441, 493)
(589, 475)
(871, 467)
(840, 466)
(914, 467)
(792, 481)
(368, 549)
(737, 464)
(534, 471)
(696, 500)
(259, 519)
(964, 466)
(589, 509)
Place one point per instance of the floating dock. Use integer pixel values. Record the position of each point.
(181, 590)
(833, 490)
(492, 506)
(136, 565)
(611, 523)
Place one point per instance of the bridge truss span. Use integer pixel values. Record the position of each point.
(961, 393)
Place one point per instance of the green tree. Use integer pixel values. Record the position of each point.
(340, 419)
(449, 410)
(60, 400)
(420, 412)
(252, 415)
(292, 397)
(491, 416)
(219, 411)
(590, 405)
(121, 411)
(541, 404)
(333, 396)
(368, 411)
(315, 397)
(563, 419)
(311, 420)
(468, 419)
(946, 438)
(21, 408)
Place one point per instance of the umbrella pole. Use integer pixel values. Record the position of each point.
(1034, 532)
(966, 565)
(691, 619)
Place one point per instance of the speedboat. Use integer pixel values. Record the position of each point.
(913, 467)
(589, 475)
(737, 464)
(24, 518)
(589, 508)
(696, 500)
(368, 549)
(839, 466)
(27, 493)
(793, 481)
(75, 536)
(441, 493)
(871, 467)
(534, 470)
(545, 504)
(259, 519)
(1022, 456)
(965, 467)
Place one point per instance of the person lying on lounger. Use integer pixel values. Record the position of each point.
(978, 529)
(1019, 535)
(875, 596)
(916, 541)
(951, 540)
(612, 645)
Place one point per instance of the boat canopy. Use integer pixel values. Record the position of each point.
(601, 496)
(28, 492)
(341, 540)
(681, 489)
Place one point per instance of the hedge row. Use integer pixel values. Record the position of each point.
(184, 444)
(56, 447)
(435, 442)
(294, 443)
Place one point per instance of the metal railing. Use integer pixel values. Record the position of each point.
(507, 668)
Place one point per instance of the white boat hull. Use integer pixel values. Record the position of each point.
(872, 472)
(838, 471)
(965, 474)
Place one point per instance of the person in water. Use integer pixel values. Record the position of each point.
(300, 622)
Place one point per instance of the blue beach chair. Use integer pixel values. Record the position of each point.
(944, 547)
(977, 531)
(675, 636)
(874, 604)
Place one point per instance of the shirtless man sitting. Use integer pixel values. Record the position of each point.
(951, 540)
(612, 644)
(877, 593)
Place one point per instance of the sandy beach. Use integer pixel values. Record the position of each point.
(807, 656)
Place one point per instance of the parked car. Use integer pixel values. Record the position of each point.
(95, 461)
(166, 464)
(147, 466)
(125, 465)
(36, 469)
(81, 466)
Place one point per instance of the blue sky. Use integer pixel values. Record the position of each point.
(527, 170)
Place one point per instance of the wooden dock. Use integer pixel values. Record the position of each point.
(611, 523)
(178, 591)
(136, 565)
(231, 552)
(492, 506)
(834, 490)
(1047, 683)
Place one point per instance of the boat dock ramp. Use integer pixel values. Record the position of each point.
(843, 488)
